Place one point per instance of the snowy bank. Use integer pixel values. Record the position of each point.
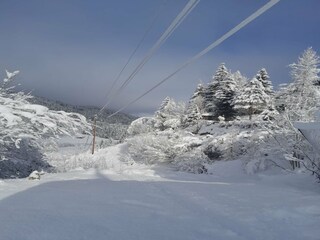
(143, 203)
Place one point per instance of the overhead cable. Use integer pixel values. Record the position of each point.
(136, 49)
(216, 43)
(176, 22)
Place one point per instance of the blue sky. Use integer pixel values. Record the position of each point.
(71, 50)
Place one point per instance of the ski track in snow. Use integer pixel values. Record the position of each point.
(140, 202)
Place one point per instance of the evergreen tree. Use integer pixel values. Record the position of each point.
(161, 114)
(164, 104)
(307, 68)
(240, 80)
(264, 78)
(241, 83)
(209, 97)
(224, 98)
(301, 97)
(299, 101)
(252, 100)
(196, 105)
(170, 114)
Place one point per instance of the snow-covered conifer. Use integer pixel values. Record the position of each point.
(164, 109)
(240, 80)
(252, 100)
(301, 98)
(264, 78)
(224, 97)
(164, 103)
(209, 97)
(307, 68)
(195, 107)
(170, 114)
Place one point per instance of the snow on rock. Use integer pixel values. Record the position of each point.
(35, 175)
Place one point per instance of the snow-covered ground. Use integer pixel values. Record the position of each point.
(138, 202)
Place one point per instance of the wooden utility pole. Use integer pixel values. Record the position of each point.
(94, 128)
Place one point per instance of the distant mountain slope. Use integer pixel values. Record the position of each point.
(87, 111)
(114, 127)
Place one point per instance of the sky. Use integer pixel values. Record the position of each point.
(72, 50)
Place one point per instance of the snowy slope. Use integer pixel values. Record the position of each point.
(137, 202)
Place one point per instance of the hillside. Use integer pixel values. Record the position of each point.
(114, 127)
(87, 111)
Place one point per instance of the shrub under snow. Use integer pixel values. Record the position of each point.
(176, 148)
(22, 128)
(142, 125)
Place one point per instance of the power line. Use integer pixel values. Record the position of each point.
(161, 41)
(216, 43)
(137, 47)
(176, 22)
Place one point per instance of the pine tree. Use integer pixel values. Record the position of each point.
(307, 68)
(224, 98)
(299, 101)
(164, 104)
(161, 113)
(252, 100)
(301, 98)
(241, 83)
(195, 107)
(264, 78)
(240, 80)
(209, 98)
(170, 114)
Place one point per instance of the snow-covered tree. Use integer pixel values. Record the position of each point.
(264, 78)
(299, 101)
(307, 67)
(21, 119)
(304, 95)
(23, 126)
(252, 100)
(224, 97)
(301, 98)
(209, 97)
(170, 114)
(195, 108)
(240, 80)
